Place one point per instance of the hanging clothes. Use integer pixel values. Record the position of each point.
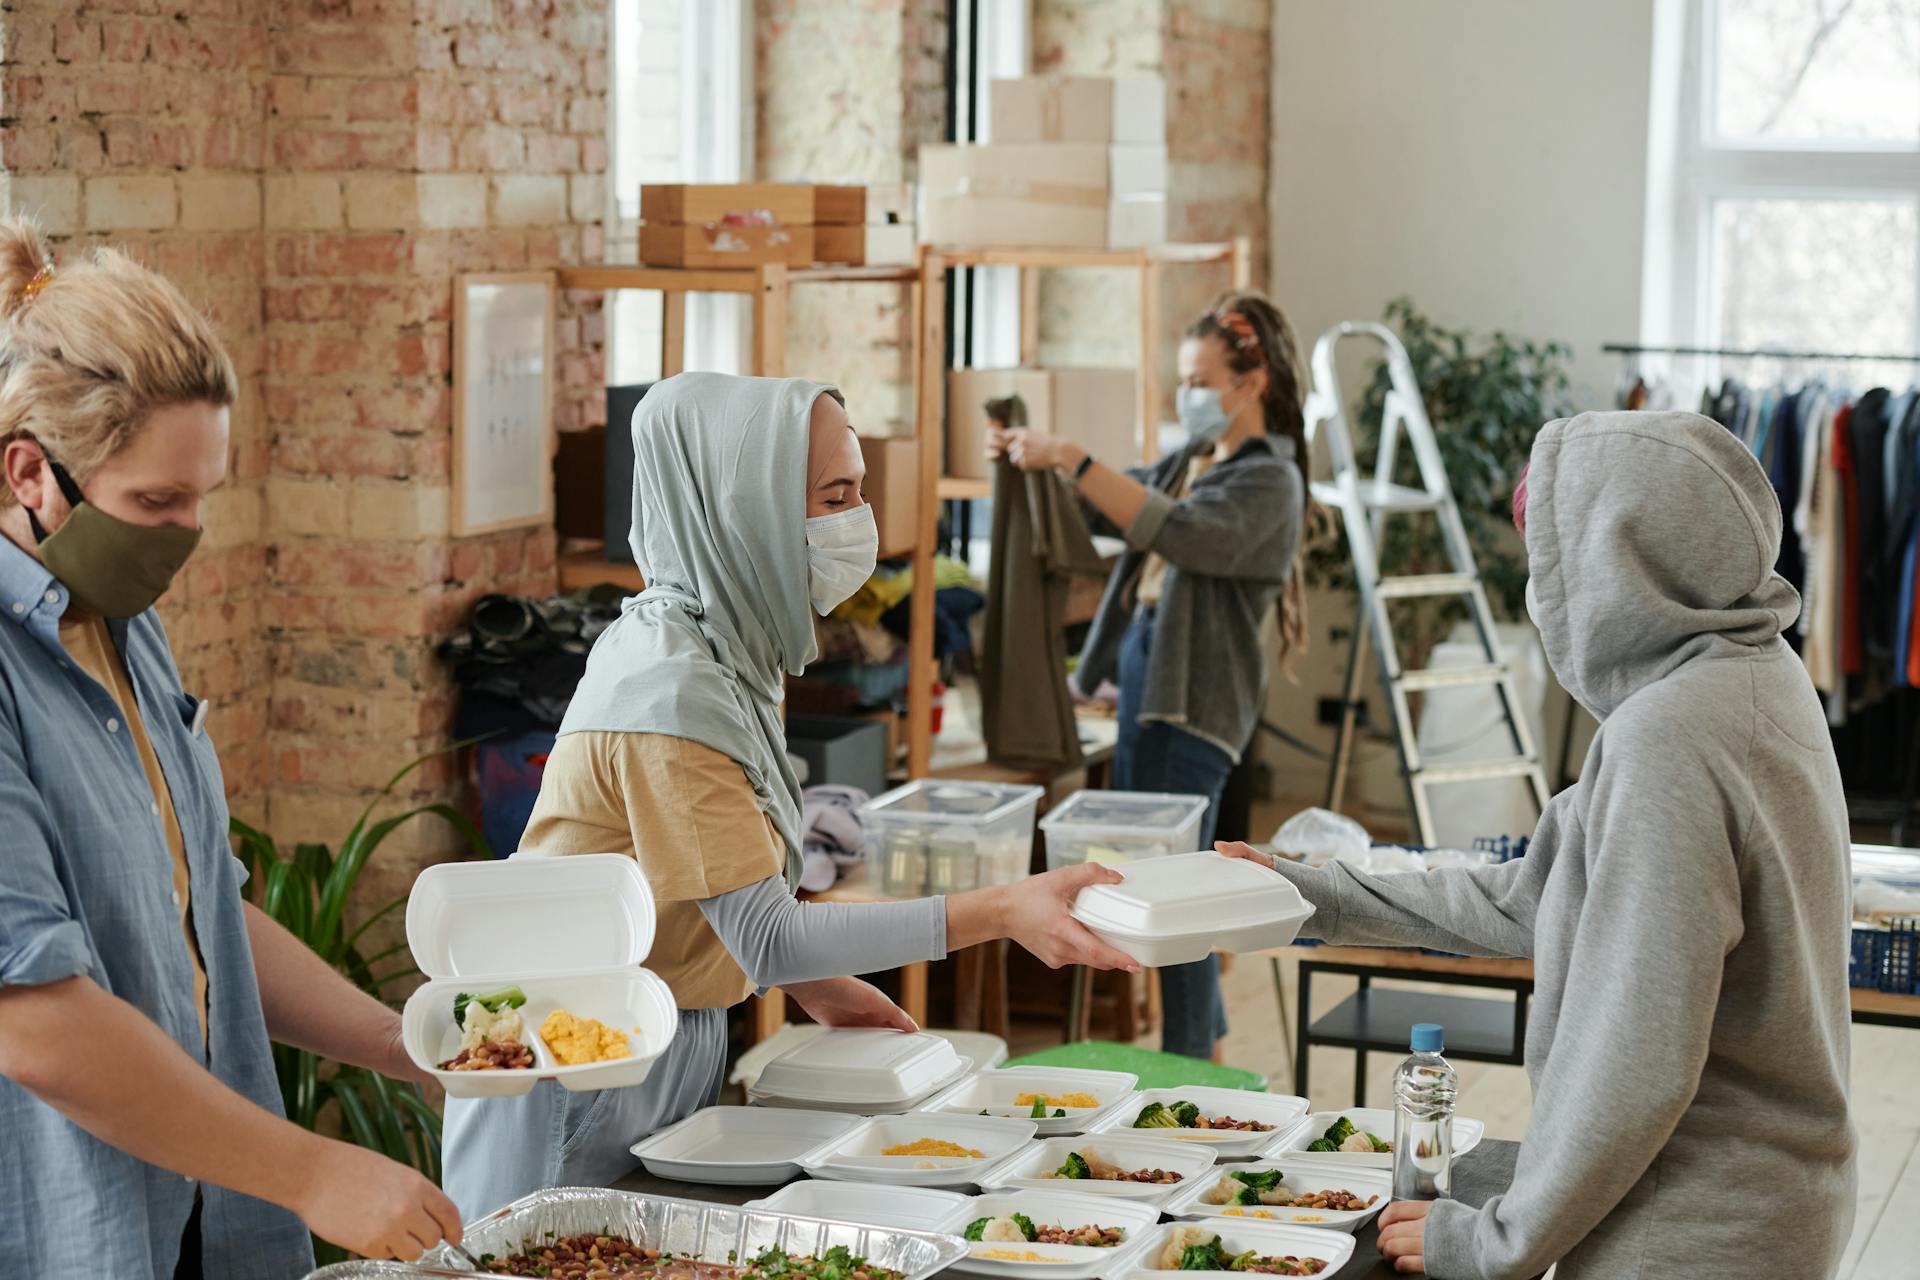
(1040, 541)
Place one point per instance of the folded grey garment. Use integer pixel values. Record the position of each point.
(831, 820)
(817, 872)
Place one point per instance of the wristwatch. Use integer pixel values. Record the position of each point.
(1081, 470)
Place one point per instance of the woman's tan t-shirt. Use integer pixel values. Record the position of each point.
(688, 814)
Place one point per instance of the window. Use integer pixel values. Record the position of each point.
(989, 43)
(679, 112)
(1796, 223)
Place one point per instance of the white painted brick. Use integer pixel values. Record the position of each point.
(529, 201)
(452, 200)
(54, 202)
(131, 204)
(382, 202)
(311, 508)
(303, 203)
(398, 512)
(587, 193)
(219, 202)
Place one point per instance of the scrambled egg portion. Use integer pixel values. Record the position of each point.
(1015, 1255)
(1057, 1100)
(577, 1041)
(932, 1147)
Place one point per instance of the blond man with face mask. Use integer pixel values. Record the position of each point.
(141, 1131)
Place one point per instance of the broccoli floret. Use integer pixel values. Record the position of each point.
(1323, 1144)
(975, 1227)
(1155, 1116)
(1059, 1113)
(1260, 1180)
(1075, 1167)
(1238, 1261)
(1205, 1257)
(1039, 1111)
(1026, 1226)
(1245, 1195)
(1185, 1115)
(1379, 1144)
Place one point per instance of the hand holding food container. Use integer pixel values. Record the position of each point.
(1174, 910)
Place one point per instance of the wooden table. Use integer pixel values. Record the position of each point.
(1378, 1019)
(1479, 1175)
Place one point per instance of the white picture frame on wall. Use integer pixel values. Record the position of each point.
(503, 385)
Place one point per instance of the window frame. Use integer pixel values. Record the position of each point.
(1708, 169)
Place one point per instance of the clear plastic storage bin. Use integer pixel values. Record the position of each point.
(938, 837)
(1119, 826)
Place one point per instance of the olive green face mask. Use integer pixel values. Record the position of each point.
(112, 567)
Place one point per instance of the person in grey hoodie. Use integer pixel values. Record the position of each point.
(1685, 903)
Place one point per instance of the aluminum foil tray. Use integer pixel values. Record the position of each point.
(709, 1232)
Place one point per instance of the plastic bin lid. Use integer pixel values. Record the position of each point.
(1187, 893)
(530, 915)
(852, 1065)
(940, 800)
(1136, 811)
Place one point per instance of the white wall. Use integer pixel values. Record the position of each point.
(1486, 158)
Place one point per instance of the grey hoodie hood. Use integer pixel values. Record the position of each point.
(1674, 529)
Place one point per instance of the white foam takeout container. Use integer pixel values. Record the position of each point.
(866, 1203)
(748, 1145)
(994, 1092)
(1057, 1209)
(1305, 1174)
(1177, 909)
(1378, 1121)
(1028, 1168)
(856, 1156)
(1236, 1236)
(864, 1071)
(570, 932)
(1278, 1110)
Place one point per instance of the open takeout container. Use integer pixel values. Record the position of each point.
(1272, 1239)
(996, 1093)
(1029, 1168)
(860, 1154)
(569, 932)
(1052, 1209)
(1177, 909)
(1304, 1176)
(866, 1071)
(867, 1203)
(1378, 1121)
(1278, 1111)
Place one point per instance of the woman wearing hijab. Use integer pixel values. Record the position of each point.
(747, 513)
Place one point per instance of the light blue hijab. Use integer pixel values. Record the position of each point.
(719, 534)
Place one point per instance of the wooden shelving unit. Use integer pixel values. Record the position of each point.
(930, 381)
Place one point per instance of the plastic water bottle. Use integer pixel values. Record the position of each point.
(1423, 1091)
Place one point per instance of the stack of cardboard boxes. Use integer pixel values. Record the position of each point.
(1076, 162)
(742, 224)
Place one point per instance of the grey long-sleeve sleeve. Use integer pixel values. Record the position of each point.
(1478, 911)
(777, 939)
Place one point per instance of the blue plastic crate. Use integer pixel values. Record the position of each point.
(1887, 959)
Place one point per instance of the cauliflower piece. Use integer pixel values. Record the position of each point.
(484, 1025)
(1003, 1230)
(1359, 1142)
(1223, 1192)
(1178, 1242)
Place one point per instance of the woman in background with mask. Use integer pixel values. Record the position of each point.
(1213, 534)
(141, 1131)
(748, 519)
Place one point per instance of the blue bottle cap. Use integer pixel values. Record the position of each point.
(1427, 1037)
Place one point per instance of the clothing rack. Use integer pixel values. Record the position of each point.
(1750, 353)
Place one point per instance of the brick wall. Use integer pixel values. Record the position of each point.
(849, 93)
(316, 173)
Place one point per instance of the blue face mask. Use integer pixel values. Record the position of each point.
(1200, 413)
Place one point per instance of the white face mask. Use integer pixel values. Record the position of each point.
(1201, 413)
(841, 551)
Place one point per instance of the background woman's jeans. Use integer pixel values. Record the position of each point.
(1164, 757)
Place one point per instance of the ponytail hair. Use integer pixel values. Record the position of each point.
(1256, 335)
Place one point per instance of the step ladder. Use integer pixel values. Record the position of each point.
(1364, 505)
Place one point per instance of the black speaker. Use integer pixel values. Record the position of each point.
(621, 403)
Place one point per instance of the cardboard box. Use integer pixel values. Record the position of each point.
(670, 244)
(1097, 409)
(752, 203)
(893, 490)
(1078, 109)
(1043, 194)
(864, 246)
(839, 206)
